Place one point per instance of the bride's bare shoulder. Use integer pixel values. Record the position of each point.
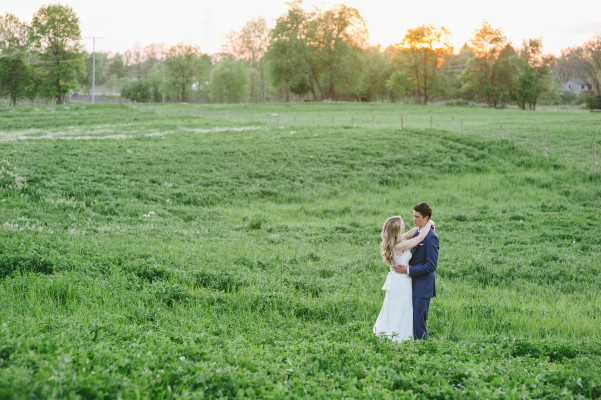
(399, 248)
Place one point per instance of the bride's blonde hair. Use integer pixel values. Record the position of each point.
(391, 234)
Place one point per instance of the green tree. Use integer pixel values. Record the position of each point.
(377, 70)
(417, 61)
(204, 65)
(15, 70)
(256, 85)
(117, 67)
(138, 90)
(250, 45)
(591, 62)
(338, 41)
(186, 68)
(491, 72)
(453, 67)
(155, 80)
(290, 61)
(534, 74)
(114, 84)
(230, 82)
(85, 79)
(399, 84)
(55, 36)
(318, 52)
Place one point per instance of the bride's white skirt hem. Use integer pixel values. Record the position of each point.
(395, 320)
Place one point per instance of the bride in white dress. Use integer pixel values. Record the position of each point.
(396, 316)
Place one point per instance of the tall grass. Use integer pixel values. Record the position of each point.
(569, 134)
(155, 253)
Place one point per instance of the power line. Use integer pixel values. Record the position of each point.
(47, 62)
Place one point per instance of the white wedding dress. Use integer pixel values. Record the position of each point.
(396, 316)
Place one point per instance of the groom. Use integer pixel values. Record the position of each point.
(421, 269)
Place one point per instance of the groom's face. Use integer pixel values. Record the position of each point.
(419, 220)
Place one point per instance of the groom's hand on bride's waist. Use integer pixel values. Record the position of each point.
(401, 269)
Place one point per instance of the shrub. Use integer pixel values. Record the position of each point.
(230, 82)
(138, 91)
(593, 102)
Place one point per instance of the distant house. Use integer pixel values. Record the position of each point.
(577, 85)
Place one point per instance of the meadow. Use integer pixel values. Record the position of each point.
(194, 251)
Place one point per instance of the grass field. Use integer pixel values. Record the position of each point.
(569, 134)
(156, 252)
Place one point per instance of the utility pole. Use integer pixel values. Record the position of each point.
(94, 65)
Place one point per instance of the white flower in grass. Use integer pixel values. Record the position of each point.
(182, 358)
(169, 202)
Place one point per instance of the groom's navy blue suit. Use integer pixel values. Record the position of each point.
(421, 270)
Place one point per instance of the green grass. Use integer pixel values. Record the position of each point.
(150, 252)
(569, 134)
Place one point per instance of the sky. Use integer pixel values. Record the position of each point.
(121, 24)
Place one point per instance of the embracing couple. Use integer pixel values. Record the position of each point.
(410, 285)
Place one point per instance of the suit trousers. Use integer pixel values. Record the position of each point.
(420, 315)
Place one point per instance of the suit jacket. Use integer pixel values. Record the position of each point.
(422, 266)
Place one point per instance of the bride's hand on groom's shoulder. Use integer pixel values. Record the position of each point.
(433, 225)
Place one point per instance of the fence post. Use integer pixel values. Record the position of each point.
(253, 116)
(270, 118)
(461, 125)
(431, 121)
(402, 121)
(544, 143)
(353, 121)
(501, 132)
(332, 120)
(373, 120)
(594, 157)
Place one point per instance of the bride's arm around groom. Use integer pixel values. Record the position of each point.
(427, 263)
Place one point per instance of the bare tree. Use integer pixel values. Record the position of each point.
(591, 62)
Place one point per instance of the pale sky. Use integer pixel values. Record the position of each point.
(123, 23)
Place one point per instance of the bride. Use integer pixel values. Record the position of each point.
(396, 316)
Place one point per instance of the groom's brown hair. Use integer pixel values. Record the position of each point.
(424, 209)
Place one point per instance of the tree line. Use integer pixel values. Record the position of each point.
(316, 55)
